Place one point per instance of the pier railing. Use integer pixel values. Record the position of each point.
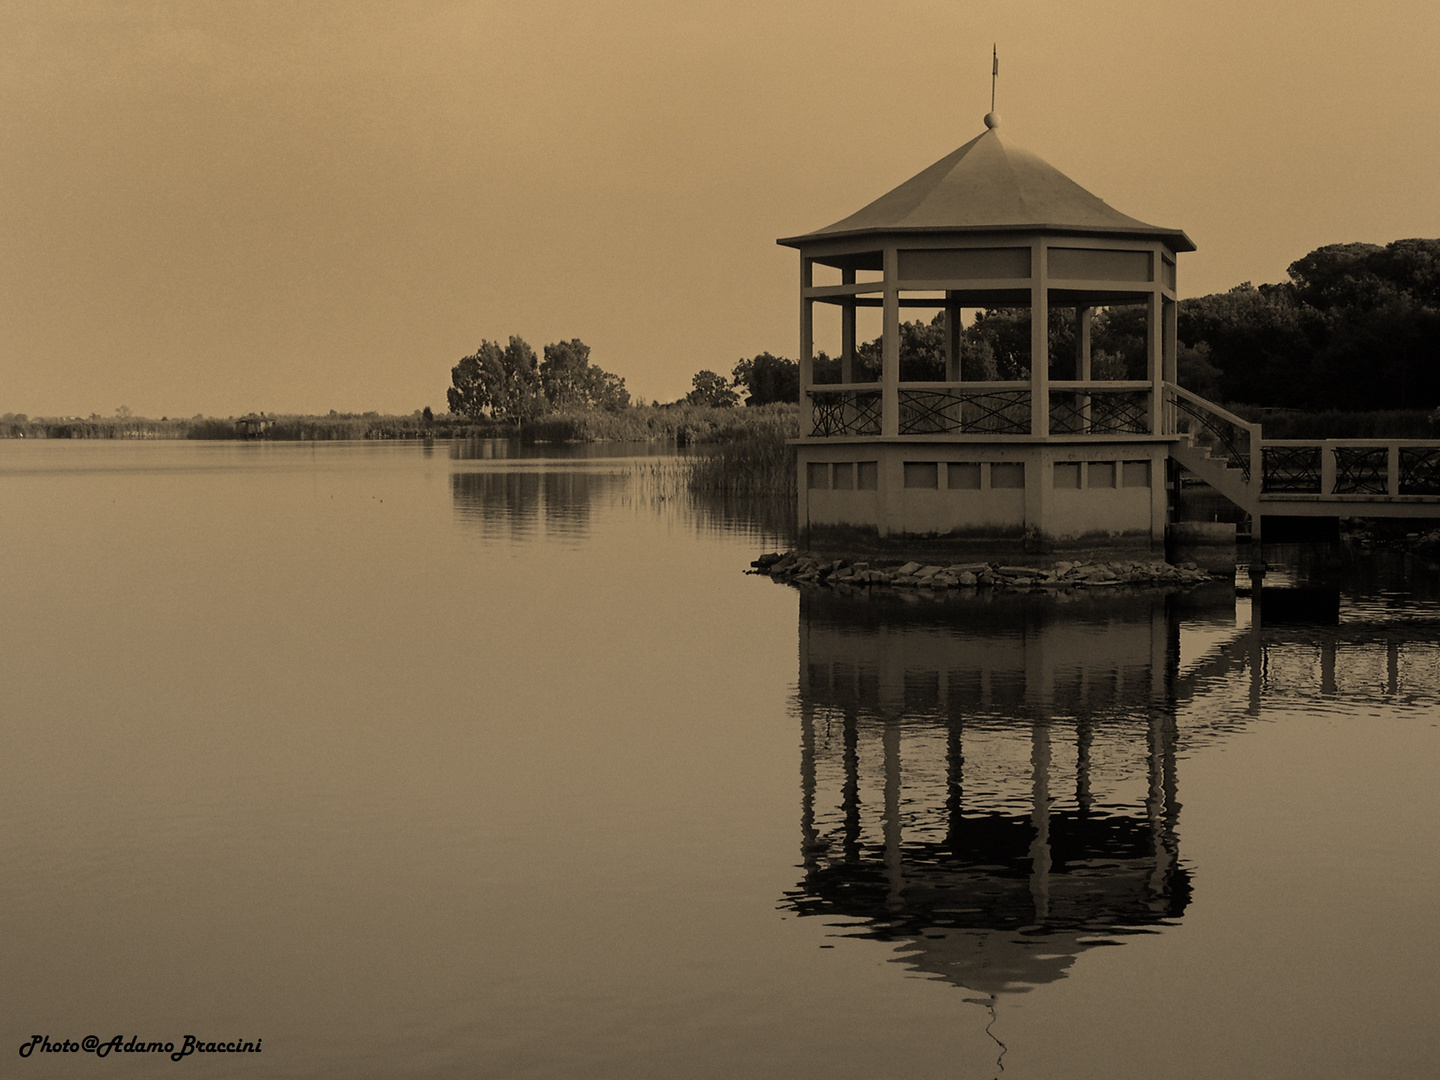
(1355, 467)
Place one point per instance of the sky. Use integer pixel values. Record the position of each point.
(220, 207)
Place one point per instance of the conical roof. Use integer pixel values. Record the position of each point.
(989, 184)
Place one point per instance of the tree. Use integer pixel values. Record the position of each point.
(768, 379)
(1197, 374)
(469, 394)
(922, 353)
(825, 368)
(713, 390)
(997, 344)
(1377, 316)
(1262, 341)
(1337, 275)
(505, 382)
(570, 381)
(607, 391)
(564, 373)
(1357, 326)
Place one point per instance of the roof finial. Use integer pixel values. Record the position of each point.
(992, 118)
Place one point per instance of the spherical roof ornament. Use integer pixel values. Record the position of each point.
(992, 120)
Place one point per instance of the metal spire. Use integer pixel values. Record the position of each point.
(994, 73)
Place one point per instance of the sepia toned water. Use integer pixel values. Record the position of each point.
(412, 765)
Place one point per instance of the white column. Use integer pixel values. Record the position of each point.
(952, 338)
(1171, 368)
(1154, 357)
(1039, 341)
(1084, 318)
(847, 333)
(890, 350)
(807, 337)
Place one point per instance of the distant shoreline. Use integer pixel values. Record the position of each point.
(682, 424)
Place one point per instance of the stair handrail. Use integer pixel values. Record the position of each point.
(1208, 413)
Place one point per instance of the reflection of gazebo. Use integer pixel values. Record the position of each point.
(990, 784)
(1054, 454)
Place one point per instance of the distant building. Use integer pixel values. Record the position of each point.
(254, 425)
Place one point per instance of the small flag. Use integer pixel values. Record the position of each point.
(995, 56)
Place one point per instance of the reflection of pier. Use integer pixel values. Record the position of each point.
(1359, 658)
(991, 784)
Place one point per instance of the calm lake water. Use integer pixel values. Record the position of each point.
(500, 767)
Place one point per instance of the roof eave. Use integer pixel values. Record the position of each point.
(1177, 239)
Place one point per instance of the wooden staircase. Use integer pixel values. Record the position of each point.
(1300, 478)
(1215, 470)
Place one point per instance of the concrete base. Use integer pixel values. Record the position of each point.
(1035, 495)
(858, 543)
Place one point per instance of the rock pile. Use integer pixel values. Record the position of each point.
(799, 569)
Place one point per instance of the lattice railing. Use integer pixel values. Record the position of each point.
(1100, 412)
(953, 411)
(1419, 470)
(931, 412)
(1362, 470)
(844, 412)
(1290, 468)
(996, 412)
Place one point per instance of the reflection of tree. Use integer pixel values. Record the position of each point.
(568, 497)
(770, 519)
(499, 503)
(517, 502)
(519, 494)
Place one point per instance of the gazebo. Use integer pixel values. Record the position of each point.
(1049, 455)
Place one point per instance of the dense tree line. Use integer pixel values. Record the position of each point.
(509, 384)
(1357, 326)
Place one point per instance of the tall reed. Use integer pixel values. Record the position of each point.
(752, 460)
